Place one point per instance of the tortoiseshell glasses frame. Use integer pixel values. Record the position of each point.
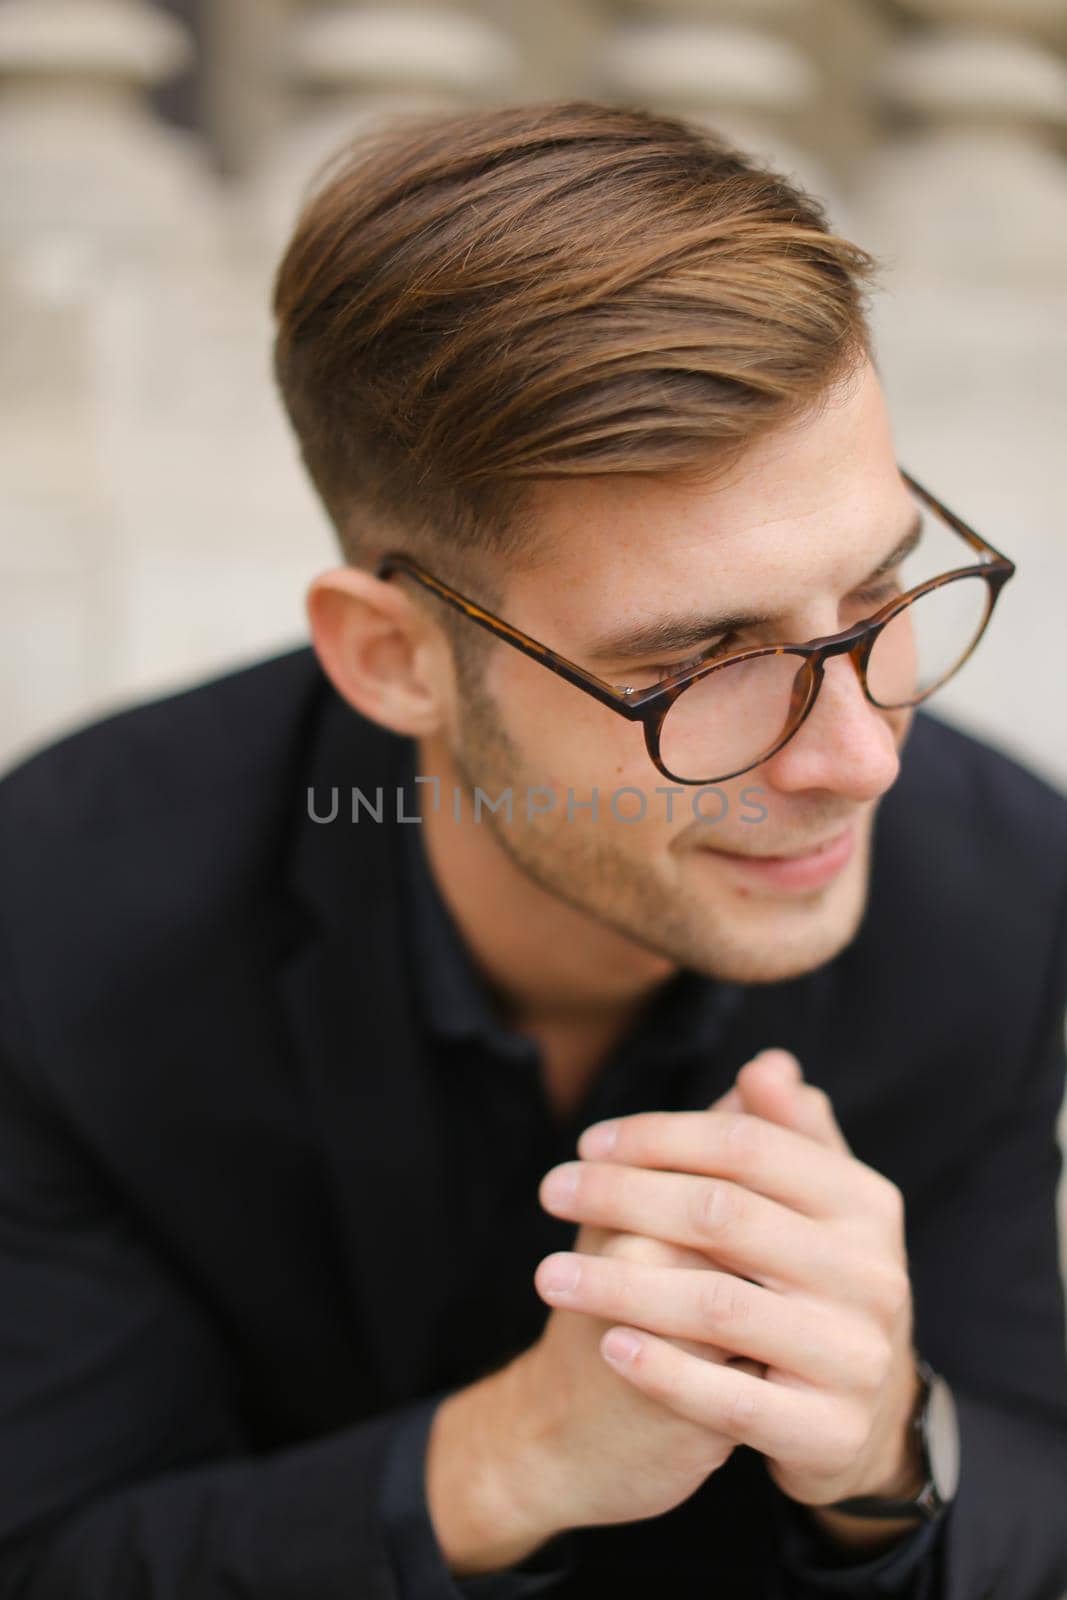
(650, 706)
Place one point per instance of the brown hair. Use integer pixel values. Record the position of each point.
(476, 299)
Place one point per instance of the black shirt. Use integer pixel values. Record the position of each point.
(503, 1136)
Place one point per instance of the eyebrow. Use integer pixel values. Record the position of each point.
(666, 634)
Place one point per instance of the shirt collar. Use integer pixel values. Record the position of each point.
(455, 999)
(684, 1018)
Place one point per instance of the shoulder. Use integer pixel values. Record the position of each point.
(965, 936)
(969, 779)
(165, 752)
(153, 818)
(979, 829)
(945, 1013)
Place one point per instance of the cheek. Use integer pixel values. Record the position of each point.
(566, 735)
(595, 750)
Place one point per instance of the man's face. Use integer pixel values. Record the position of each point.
(792, 533)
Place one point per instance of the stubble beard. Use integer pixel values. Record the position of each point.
(579, 863)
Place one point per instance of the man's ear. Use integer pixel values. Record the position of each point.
(380, 651)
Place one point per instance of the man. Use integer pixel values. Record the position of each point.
(315, 975)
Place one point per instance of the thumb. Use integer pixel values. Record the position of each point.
(784, 1066)
(772, 1086)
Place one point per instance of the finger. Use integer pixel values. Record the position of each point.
(782, 1063)
(732, 1099)
(777, 1094)
(702, 1350)
(784, 1423)
(712, 1352)
(642, 1247)
(738, 1229)
(775, 1161)
(820, 1344)
(637, 1247)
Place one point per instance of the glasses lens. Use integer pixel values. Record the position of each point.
(729, 720)
(926, 642)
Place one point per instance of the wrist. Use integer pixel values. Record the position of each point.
(488, 1478)
(903, 1483)
(910, 1472)
(863, 1535)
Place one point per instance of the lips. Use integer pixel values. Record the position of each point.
(797, 855)
(807, 869)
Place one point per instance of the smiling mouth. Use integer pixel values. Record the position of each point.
(805, 870)
(808, 851)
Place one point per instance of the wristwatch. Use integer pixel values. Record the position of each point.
(934, 1421)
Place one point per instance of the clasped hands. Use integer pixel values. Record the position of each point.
(807, 1278)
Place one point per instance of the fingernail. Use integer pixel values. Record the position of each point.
(620, 1346)
(560, 1184)
(560, 1274)
(598, 1139)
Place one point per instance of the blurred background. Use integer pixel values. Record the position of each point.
(155, 525)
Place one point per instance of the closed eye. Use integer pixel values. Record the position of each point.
(879, 594)
(873, 597)
(725, 645)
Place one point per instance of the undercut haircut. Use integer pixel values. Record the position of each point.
(476, 300)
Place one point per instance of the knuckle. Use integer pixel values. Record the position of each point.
(623, 1289)
(892, 1201)
(874, 1360)
(721, 1301)
(739, 1411)
(893, 1291)
(901, 1294)
(712, 1207)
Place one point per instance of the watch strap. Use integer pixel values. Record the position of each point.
(927, 1504)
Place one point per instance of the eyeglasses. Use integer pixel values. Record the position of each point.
(732, 710)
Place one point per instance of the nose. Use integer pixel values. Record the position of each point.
(846, 744)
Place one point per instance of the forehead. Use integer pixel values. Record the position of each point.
(803, 508)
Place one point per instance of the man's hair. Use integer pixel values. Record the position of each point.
(475, 300)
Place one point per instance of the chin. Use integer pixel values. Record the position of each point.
(779, 961)
(773, 938)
